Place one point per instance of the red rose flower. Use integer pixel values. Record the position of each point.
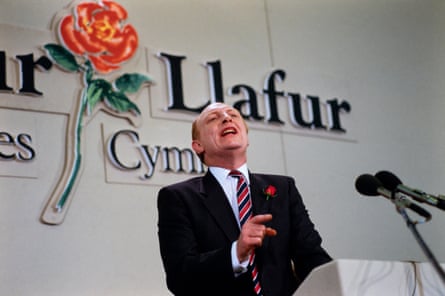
(96, 32)
(270, 192)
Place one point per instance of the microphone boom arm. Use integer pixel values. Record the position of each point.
(401, 204)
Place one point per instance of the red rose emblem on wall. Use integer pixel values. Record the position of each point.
(93, 40)
(97, 32)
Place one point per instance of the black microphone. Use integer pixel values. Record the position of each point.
(367, 184)
(390, 181)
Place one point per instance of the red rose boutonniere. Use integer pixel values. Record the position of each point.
(270, 192)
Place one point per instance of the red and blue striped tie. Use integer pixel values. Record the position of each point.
(245, 211)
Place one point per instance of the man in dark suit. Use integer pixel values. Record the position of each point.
(205, 247)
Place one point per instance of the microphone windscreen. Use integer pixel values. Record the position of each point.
(367, 185)
(388, 179)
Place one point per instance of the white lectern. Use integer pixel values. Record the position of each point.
(372, 278)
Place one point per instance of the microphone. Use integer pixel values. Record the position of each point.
(367, 184)
(390, 181)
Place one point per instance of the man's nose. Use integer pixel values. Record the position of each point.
(226, 117)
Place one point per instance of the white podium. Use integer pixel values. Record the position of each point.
(372, 278)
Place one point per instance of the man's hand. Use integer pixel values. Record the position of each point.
(252, 235)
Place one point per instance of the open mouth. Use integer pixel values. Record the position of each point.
(229, 131)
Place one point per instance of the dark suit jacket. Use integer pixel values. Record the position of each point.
(197, 227)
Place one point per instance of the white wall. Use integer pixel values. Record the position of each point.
(386, 57)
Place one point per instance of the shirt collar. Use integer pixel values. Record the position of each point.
(222, 173)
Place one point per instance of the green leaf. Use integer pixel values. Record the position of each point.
(130, 83)
(62, 57)
(120, 103)
(95, 92)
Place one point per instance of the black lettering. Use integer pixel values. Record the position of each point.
(112, 149)
(179, 155)
(176, 93)
(313, 108)
(27, 66)
(334, 110)
(3, 85)
(23, 142)
(150, 160)
(6, 140)
(250, 102)
(270, 95)
(216, 84)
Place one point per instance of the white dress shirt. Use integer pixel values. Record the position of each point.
(228, 184)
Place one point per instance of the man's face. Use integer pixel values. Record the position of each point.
(221, 129)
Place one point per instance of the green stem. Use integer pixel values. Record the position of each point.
(77, 153)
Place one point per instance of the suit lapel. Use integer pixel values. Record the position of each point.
(260, 204)
(216, 202)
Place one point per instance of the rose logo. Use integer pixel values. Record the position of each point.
(95, 39)
(96, 32)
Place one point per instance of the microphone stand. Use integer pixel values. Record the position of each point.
(401, 209)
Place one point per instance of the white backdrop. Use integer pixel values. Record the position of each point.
(385, 57)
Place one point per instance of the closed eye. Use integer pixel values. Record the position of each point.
(211, 118)
(234, 114)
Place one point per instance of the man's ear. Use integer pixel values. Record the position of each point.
(197, 147)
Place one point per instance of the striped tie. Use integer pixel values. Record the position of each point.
(245, 211)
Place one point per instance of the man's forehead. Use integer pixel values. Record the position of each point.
(217, 107)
